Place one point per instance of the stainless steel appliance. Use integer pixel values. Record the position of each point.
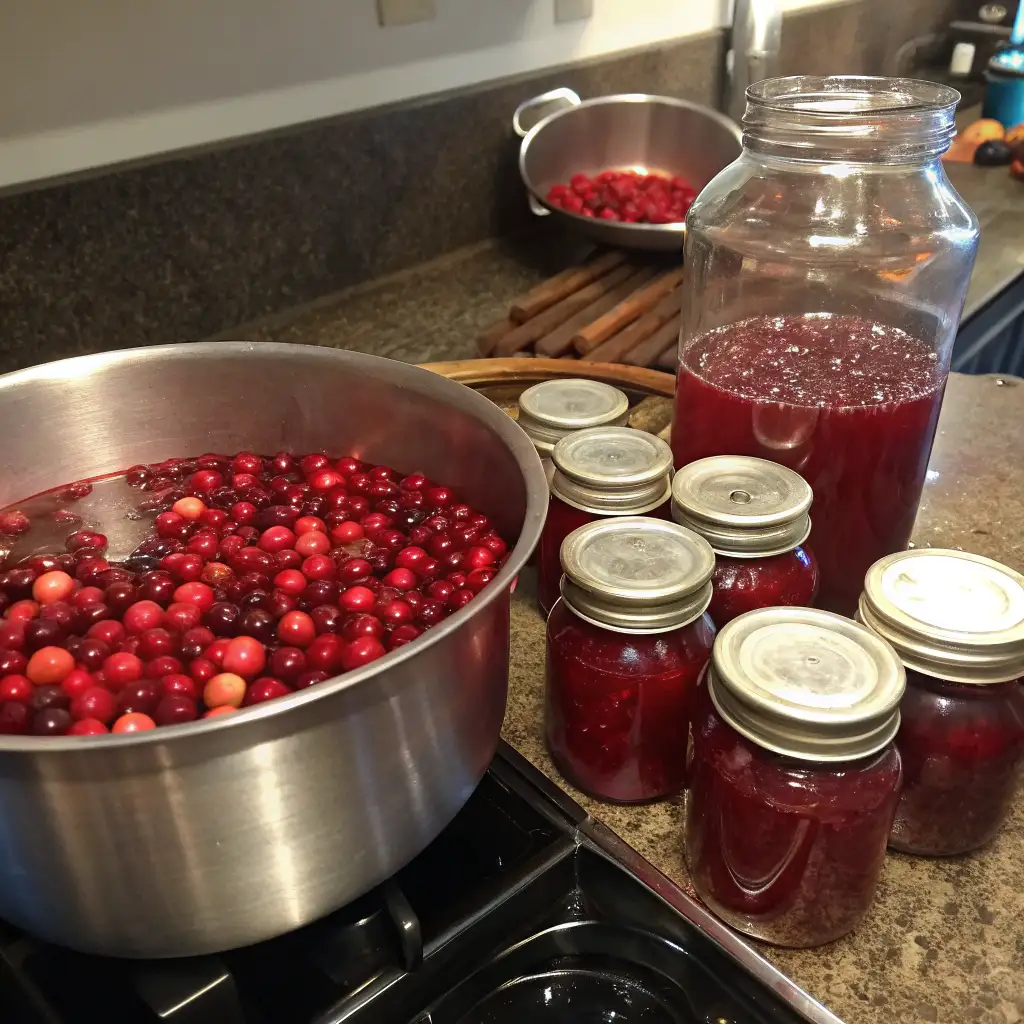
(224, 832)
(754, 50)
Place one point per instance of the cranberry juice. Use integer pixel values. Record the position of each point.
(617, 708)
(743, 584)
(848, 404)
(962, 748)
(256, 576)
(785, 850)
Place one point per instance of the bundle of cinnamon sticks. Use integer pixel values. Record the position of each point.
(610, 309)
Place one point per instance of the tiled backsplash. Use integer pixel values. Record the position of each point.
(184, 249)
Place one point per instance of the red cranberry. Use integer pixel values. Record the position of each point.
(265, 689)
(175, 708)
(358, 599)
(197, 593)
(431, 612)
(318, 567)
(49, 664)
(363, 625)
(12, 662)
(87, 727)
(479, 578)
(49, 696)
(15, 718)
(145, 615)
(245, 657)
(156, 643)
(133, 722)
(120, 596)
(361, 652)
(18, 582)
(395, 613)
(309, 524)
(310, 679)
(202, 669)
(287, 559)
(296, 629)
(403, 635)
(157, 588)
(326, 617)
(86, 596)
(181, 685)
(319, 592)
(14, 522)
(16, 687)
(459, 599)
(222, 618)
(51, 722)
(141, 697)
(110, 631)
(324, 653)
(354, 570)
(121, 669)
(291, 581)
(97, 703)
(287, 663)
(163, 666)
(279, 603)
(256, 622)
(12, 635)
(181, 617)
(92, 654)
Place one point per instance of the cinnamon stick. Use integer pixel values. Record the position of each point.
(558, 287)
(526, 334)
(664, 339)
(626, 312)
(559, 341)
(667, 360)
(618, 345)
(486, 341)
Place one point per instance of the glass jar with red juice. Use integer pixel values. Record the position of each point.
(793, 776)
(753, 513)
(625, 646)
(599, 473)
(826, 272)
(957, 622)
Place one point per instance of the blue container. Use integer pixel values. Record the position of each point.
(1004, 92)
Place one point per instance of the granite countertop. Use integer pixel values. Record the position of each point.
(944, 940)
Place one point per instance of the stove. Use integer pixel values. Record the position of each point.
(523, 909)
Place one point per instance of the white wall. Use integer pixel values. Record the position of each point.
(87, 83)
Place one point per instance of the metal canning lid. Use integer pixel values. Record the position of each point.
(612, 471)
(807, 683)
(550, 410)
(949, 614)
(744, 507)
(636, 575)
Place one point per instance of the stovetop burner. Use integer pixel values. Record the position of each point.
(523, 909)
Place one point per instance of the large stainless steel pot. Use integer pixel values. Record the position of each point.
(220, 833)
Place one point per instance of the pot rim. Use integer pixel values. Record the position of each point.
(404, 375)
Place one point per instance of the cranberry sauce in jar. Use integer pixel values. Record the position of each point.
(625, 647)
(957, 622)
(554, 409)
(599, 473)
(793, 775)
(753, 513)
(848, 404)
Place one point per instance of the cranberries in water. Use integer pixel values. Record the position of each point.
(630, 197)
(261, 575)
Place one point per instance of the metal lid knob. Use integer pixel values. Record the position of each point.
(612, 471)
(949, 614)
(744, 507)
(807, 684)
(636, 575)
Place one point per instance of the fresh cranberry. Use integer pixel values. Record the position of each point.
(202, 669)
(361, 652)
(87, 727)
(197, 593)
(110, 631)
(179, 684)
(51, 722)
(264, 689)
(139, 697)
(156, 643)
(245, 656)
(163, 666)
(296, 629)
(18, 688)
(49, 665)
(15, 718)
(14, 522)
(175, 708)
(145, 615)
(402, 635)
(133, 722)
(157, 589)
(49, 696)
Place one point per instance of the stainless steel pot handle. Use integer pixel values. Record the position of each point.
(567, 97)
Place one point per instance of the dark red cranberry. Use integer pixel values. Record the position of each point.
(92, 654)
(258, 623)
(222, 618)
(41, 633)
(15, 718)
(14, 522)
(120, 596)
(431, 612)
(362, 625)
(49, 696)
(17, 583)
(12, 662)
(319, 592)
(141, 697)
(403, 635)
(326, 617)
(287, 663)
(156, 643)
(51, 722)
(264, 689)
(280, 603)
(174, 708)
(354, 570)
(96, 702)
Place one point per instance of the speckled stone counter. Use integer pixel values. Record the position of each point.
(944, 941)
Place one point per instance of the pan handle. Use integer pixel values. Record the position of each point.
(565, 97)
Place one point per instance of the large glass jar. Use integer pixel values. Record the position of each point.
(826, 273)
(794, 777)
(554, 409)
(753, 513)
(599, 473)
(957, 622)
(625, 647)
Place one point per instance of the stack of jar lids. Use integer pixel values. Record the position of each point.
(636, 575)
(807, 684)
(744, 507)
(553, 409)
(612, 471)
(949, 614)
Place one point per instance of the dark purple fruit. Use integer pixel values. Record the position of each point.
(994, 153)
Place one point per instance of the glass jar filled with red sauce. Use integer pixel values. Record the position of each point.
(793, 776)
(957, 622)
(599, 473)
(826, 273)
(554, 409)
(625, 646)
(753, 513)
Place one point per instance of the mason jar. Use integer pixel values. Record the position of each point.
(556, 408)
(826, 273)
(753, 513)
(600, 473)
(625, 647)
(793, 776)
(957, 622)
